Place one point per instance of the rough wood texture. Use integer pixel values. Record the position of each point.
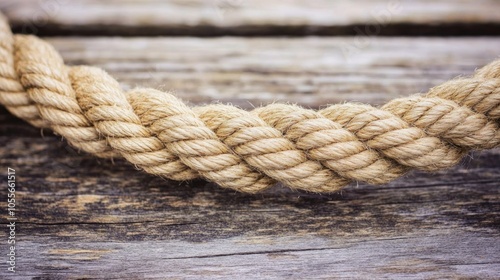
(80, 217)
(312, 72)
(255, 17)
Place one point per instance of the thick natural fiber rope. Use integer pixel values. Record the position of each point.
(319, 151)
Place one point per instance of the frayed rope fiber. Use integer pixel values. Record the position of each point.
(248, 151)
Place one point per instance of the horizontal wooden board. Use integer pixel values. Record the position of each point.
(312, 72)
(255, 17)
(80, 217)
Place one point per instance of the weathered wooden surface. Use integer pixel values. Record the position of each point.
(312, 72)
(80, 217)
(255, 17)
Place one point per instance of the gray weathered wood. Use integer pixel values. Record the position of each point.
(312, 72)
(87, 218)
(255, 17)
(80, 217)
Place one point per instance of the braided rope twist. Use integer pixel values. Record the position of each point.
(248, 151)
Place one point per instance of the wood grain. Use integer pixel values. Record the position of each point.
(255, 17)
(312, 72)
(80, 217)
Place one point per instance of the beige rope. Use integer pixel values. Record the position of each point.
(318, 151)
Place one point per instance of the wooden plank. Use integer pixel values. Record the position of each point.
(312, 72)
(80, 217)
(255, 17)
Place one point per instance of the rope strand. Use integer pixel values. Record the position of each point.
(317, 151)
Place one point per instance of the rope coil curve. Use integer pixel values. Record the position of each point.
(248, 151)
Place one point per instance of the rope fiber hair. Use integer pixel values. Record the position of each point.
(248, 151)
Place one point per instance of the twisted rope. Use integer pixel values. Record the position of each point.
(318, 151)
